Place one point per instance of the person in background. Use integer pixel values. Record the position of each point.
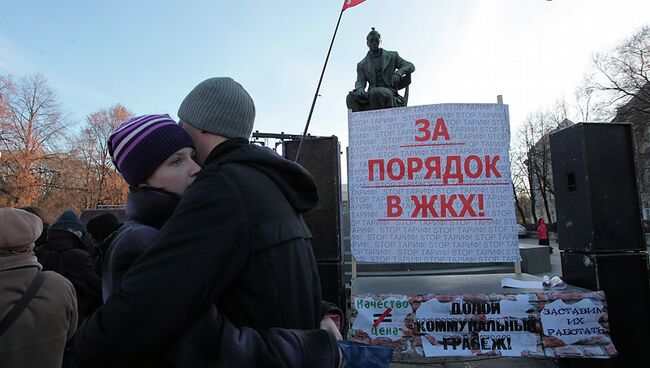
(36, 336)
(162, 153)
(65, 253)
(102, 229)
(46, 224)
(542, 234)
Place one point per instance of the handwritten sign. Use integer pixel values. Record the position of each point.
(381, 318)
(575, 327)
(471, 325)
(432, 184)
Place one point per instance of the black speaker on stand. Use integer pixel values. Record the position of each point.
(600, 231)
(322, 158)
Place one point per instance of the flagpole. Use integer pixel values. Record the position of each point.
(311, 111)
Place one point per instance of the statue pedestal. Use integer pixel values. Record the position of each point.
(535, 259)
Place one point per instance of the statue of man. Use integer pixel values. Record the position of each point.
(382, 70)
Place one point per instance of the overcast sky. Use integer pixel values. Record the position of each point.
(147, 55)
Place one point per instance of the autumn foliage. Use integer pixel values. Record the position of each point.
(47, 160)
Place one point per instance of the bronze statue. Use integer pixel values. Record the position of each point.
(385, 72)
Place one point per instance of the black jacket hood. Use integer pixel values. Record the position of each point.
(295, 182)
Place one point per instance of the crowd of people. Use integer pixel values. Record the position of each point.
(213, 266)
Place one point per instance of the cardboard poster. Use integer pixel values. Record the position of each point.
(479, 325)
(540, 324)
(432, 184)
(574, 326)
(382, 318)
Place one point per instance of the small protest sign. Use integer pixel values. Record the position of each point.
(381, 317)
(574, 326)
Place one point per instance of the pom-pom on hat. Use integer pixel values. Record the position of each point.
(139, 145)
(219, 106)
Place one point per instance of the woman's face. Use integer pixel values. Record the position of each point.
(176, 173)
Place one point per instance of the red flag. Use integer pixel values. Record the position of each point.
(351, 3)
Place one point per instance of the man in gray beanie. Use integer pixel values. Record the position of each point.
(236, 239)
(216, 110)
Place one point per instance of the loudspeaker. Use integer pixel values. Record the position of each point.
(624, 279)
(332, 284)
(321, 157)
(596, 197)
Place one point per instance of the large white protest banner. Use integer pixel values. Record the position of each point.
(432, 184)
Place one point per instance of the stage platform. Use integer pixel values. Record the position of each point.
(444, 284)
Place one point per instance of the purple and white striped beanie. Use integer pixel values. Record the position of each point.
(141, 144)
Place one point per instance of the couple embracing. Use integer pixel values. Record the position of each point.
(214, 266)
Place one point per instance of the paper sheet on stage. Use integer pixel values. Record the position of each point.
(521, 284)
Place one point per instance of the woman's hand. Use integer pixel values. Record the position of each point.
(328, 325)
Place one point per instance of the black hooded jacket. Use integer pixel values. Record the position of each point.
(275, 278)
(66, 254)
(237, 237)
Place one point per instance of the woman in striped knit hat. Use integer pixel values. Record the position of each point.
(155, 157)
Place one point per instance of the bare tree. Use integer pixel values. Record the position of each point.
(526, 139)
(520, 186)
(5, 86)
(531, 159)
(32, 124)
(620, 74)
(583, 97)
(102, 183)
(65, 185)
(62, 185)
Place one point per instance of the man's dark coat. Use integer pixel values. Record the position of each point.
(236, 237)
(66, 254)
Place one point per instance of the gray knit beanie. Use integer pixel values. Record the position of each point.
(219, 106)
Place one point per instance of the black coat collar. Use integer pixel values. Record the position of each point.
(150, 206)
(225, 147)
(59, 240)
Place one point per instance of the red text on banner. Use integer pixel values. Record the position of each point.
(429, 134)
(438, 206)
(447, 168)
